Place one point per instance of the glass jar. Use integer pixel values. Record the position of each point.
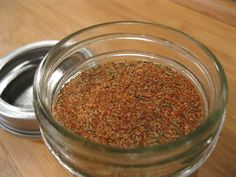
(130, 40)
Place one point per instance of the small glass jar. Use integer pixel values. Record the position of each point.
(130, 40)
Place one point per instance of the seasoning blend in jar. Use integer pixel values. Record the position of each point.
(130, 99)
(130, 104)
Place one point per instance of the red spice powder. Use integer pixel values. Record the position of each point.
(130, 104)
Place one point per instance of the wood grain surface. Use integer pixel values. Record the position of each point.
(212, 22)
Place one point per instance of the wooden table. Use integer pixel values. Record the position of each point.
(25, 21)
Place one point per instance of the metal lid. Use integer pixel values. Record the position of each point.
(17, 71)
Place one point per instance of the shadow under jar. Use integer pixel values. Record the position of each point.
(130, 40)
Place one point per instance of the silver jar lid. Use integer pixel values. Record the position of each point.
(17, 71)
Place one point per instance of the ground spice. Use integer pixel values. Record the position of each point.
(130, 104)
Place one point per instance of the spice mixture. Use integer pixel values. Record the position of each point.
(130, 104)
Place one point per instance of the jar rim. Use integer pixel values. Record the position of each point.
(211, 119)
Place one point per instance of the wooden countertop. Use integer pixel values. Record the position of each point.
(25, 21)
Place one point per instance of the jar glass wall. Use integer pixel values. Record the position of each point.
(130, 40)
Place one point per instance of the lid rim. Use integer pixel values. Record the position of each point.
(16, 119)
(19, 132)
